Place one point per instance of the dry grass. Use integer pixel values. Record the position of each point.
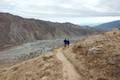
(44, 67)
(94, 58)
(98, 57)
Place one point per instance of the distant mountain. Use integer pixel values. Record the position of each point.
(109, 25)
(18, 30)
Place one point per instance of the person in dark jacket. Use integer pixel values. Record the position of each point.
(66, 42)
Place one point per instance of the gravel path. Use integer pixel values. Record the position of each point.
(69, 72)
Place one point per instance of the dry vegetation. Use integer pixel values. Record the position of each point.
(98, 57)
(45, 67)
(94, 58)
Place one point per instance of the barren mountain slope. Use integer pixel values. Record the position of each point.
(17, 30)
(98, 57)
(94, 58)
(45, 67)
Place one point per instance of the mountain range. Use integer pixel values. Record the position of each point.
(16, 30)
(109, 25)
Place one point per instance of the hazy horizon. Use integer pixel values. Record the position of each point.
(82, 12)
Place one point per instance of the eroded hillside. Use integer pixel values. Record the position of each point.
(94, 58)
(16, 30)
(45, 67)
(98, 57)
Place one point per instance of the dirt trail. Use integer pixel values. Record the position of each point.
(69, 72)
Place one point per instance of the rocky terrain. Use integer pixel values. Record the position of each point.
(97, 57)
(93, 58)
(15, 30)
(45, 67)
(29, 50)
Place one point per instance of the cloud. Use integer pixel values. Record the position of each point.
(52, 9)
(67, 7)
(110, 6)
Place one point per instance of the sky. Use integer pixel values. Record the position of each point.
(83, 12)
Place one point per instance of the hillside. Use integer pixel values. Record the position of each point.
(45, 67)
(109, 25)
(97, 57)
(16, 30)
(93, 58)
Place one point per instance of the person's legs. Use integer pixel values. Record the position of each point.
(68, 43)
(64, 45)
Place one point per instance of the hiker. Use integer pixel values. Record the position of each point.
(66, 42)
